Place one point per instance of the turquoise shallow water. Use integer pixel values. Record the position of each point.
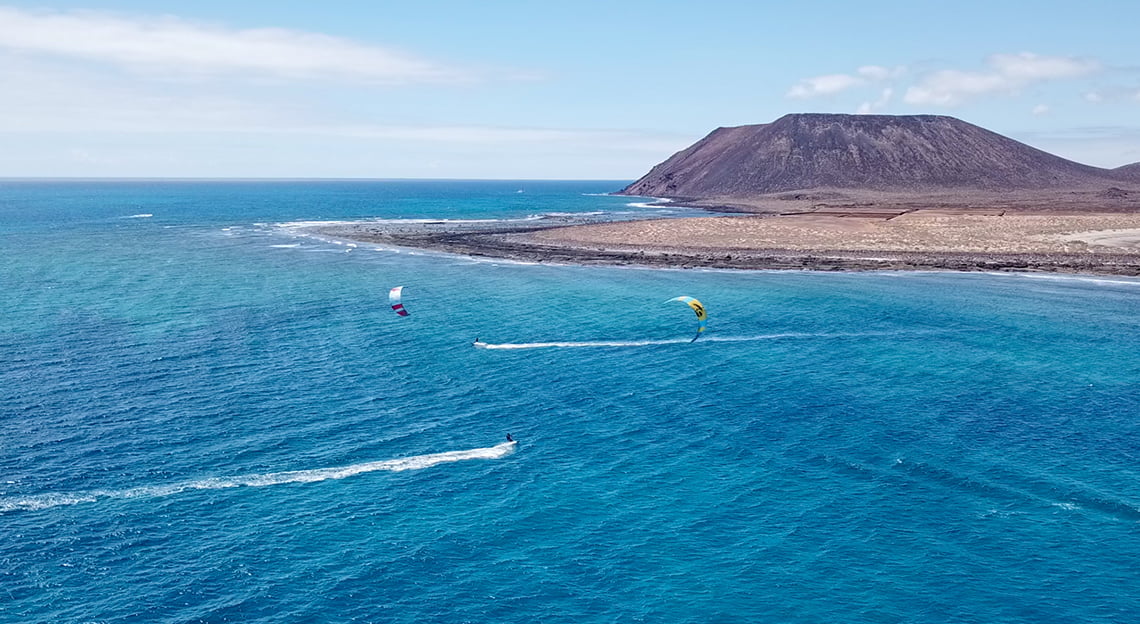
(207, 417)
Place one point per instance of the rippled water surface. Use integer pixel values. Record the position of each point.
(206, 416)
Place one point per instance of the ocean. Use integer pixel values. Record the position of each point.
(208, 416)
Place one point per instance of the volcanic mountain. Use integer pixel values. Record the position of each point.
(1128, 172)
(905, 153)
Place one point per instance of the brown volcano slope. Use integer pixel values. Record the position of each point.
(887, 153)
(1128, 172)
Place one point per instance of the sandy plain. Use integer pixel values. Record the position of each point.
(928, 239)
(919, 231)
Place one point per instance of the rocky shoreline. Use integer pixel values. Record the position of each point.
(563, 243)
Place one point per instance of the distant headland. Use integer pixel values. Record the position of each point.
(846, 192)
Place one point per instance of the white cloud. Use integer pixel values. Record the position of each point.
(950, 87)
(1008, 74)
(171, 44)
(873, 72)
(1040, 109)
(1005, 74)
(831, 84)
(45, 97)
(1030, 67)
(321, 150)
(876, 73)
(866, 108)
(49, 106)
(824, 85)
(1115, 94)
(1104, 146)
(482, 135)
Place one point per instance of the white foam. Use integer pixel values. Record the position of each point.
(418, 462)
(292, 225)
(307, 224)
(290, 246)
(139, 216)
(703, 339)
(565, 345)
(805, 335)
(592, 213)
(1088, 279)
(636, 343)
(656, 203)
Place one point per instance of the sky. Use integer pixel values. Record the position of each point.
(530, 90)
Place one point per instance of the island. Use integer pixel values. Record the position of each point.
(840, 192)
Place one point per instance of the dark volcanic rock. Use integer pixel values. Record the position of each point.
(1113, 193)
(906, 153)
(1128, 172)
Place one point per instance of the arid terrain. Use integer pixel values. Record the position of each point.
(923, 240)
(842, 192)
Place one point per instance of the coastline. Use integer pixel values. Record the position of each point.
(920, 240)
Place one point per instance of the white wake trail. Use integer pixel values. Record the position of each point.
(647, 343)
(571, 345)
(46, 501)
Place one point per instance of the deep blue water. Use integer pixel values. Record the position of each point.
(177, 390)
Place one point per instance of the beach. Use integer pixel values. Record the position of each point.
(916, 240)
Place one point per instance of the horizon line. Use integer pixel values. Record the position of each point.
(287, 179)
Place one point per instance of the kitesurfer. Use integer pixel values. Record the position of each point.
(509, 438)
